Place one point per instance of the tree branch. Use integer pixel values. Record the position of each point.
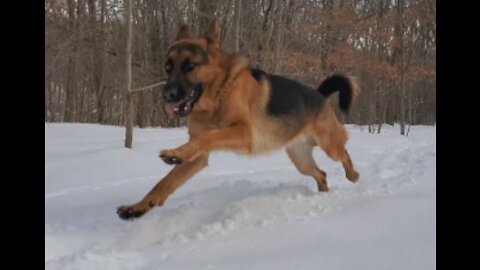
(148, 87)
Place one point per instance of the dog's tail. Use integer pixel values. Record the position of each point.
(347, 86)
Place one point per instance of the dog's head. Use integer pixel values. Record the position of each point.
(192, 63)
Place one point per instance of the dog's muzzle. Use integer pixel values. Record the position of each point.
(183, 107)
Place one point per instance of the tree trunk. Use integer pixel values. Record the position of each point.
(268, 36)
(47, 99)
(70, 91)
(326, 35)
(402, 68)
(238, 14)
(278, 37)
(128, 79)
(97, 37)
(206, 12)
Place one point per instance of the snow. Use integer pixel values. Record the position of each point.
(240, 212)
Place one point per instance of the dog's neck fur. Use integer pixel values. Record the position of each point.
(214, 92)
(234, 64)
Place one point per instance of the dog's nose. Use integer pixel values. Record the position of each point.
(171, 94)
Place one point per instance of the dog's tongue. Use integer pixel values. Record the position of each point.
(170, 109)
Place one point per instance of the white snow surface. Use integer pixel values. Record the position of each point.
(240, 212)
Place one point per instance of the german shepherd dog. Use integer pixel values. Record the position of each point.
(231, 106)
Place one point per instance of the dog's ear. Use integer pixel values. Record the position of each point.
(184, 32)
(213, 35)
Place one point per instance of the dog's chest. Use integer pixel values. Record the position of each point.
(209, 119)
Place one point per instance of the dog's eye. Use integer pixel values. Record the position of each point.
(188, 66)
(168, 66)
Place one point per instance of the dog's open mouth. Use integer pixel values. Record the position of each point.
(183, 107)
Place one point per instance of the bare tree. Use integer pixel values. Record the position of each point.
(278, 37)
(400, 7)
(238, 15)
(302, 39)
(128, 77)
(71, 103)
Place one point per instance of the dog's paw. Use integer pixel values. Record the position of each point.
(169, 157)
(352, 176)
(322, 183)
(130, 212)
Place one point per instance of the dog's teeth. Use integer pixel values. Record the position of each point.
(176, 109)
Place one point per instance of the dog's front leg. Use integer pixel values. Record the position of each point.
(159, 194)
(235, 138)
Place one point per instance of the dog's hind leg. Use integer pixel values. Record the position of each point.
(332, 140)
(159, 194)
(350, 172)
(301, 155)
